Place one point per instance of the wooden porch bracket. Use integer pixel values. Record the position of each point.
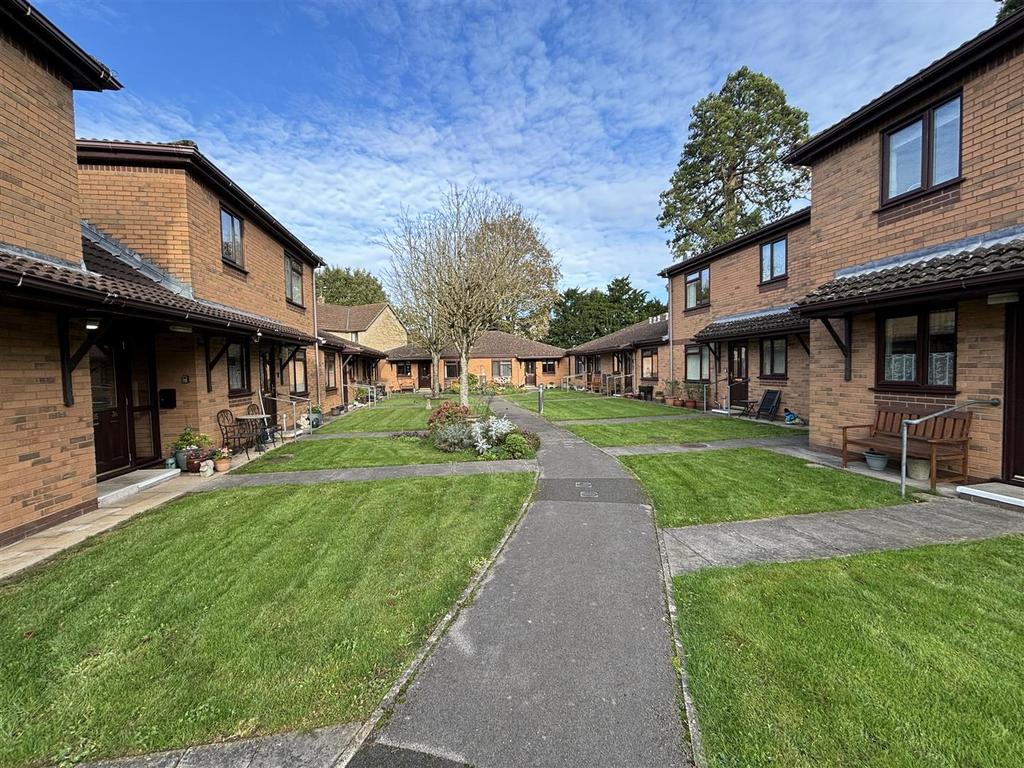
(800, 338)
(69, 361)
(844, 344)
(211, 364)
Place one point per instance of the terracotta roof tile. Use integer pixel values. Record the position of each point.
(348, 319)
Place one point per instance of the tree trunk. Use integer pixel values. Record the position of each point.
(464, 378)
(435, 374)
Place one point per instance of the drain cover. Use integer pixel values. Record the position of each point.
(584, 485)
(588, 494)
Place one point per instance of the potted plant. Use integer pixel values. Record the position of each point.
(189, 441)
(672, 390)
(691, 397)
(876, 459)
(222, 459)
(193, 460)
(316, 416)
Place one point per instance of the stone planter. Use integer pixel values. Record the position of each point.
(876, 461)
(919, 469)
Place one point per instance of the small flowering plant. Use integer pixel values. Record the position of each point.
(222, 453)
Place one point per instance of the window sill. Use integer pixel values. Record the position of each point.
(698, 310)
(915, 389)
(773, 284)
(649, 378)
(239, 393)
(236, 268)
(295, 305)
(917, 194)
(303, 393)
(773, 378)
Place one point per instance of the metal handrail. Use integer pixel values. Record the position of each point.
(293, 400)
(907, 423)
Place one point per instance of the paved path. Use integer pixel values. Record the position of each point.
(316, 749)
(372, 473)
(831, 534)
(743, 442)
(564, 657)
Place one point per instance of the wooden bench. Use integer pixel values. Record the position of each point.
(944, 438)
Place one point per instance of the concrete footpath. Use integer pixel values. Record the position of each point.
(564, 658)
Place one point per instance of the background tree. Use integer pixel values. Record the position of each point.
(412, 278)
(580, 315)
(494, 267)
(341, 285)
(1008, 8)
(731, 178)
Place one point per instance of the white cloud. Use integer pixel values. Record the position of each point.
(578, 112)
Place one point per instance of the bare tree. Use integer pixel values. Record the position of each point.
(412, 281)
(494, 265)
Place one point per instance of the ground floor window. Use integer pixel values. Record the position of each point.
(649, 363)
(581, 365)
(298, 384)
(403, 369)
(773, 358)
(451, 369)
(330, 370)
(238, 367)
(548, 367)
(698, 362)
(501, 369)
(918, 349)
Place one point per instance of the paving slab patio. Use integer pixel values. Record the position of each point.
(833, 534)
(564, 657)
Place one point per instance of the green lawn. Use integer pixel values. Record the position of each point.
(346, 453)
(899, 659)
(698, 430)
(747, 484)
(561, 406)
(400, 417)
(237, 613)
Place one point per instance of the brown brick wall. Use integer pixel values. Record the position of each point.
(39, 206)
(262, 289)
(47, 462)
(979, 374)
(144, 208)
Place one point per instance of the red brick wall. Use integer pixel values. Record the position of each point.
(47, 462)
(38, 167)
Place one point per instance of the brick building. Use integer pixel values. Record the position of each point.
(496, 357)
(631, 360)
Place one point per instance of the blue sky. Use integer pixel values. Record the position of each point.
(336, 114)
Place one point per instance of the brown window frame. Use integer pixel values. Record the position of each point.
(500, 363)
(330, 371)
(457, 365)
(649, 353)
(294, 268)
(696, 277)
(240, 263)
(548, 367)
(771, 278)
(926, 118)
(920, 384)
(701, 350)
(403, 369)
(299, 355)
(771, 373)
(242, 359)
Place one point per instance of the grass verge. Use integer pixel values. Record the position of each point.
(747, 484)
(668, 431)
(349, 453)
(238, 613)
(898, 659)
(562, 406)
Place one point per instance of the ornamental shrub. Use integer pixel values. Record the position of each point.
(452, 437)
(448, 413)
(516, 446)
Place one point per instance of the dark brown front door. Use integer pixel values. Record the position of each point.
(424, 369)
(268, 381)
(110, 387)
(531, 372)
(1013, 449)
(738, 371)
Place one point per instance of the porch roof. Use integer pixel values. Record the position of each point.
(983, 263)
(644, 333)
(345, 346)
(114, 278)
(769, 322)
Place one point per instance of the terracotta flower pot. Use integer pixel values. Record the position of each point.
(222, 465)
(690, 403)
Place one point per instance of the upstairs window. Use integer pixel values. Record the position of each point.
(698, 288)
(922, 153)
(293, 279)
(773, 260)
(231, 238)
